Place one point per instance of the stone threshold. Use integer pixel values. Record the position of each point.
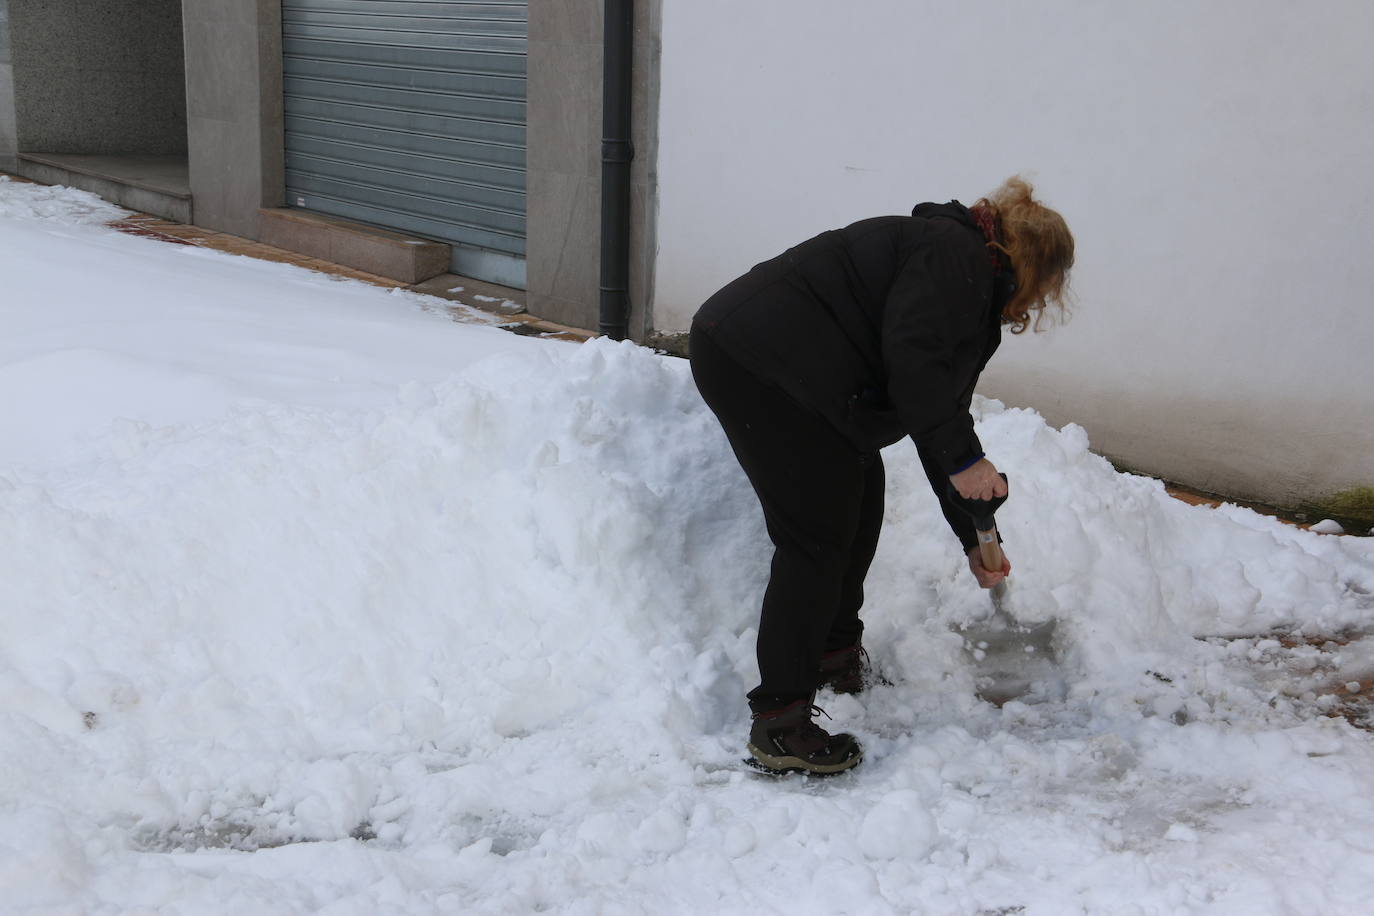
(166, 175)
(500, 306)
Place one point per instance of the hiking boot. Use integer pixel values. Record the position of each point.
(786, 740)
(847, 670)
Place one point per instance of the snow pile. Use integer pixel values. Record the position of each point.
(475, 637)
(99, 325)
(20, 200)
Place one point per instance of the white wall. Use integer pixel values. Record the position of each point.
(1214, 160)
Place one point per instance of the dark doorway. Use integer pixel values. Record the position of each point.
(100, 99)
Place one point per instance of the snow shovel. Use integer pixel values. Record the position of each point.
(1012, 659)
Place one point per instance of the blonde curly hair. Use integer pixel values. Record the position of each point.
(1039, 245)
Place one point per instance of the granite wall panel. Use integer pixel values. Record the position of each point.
(4, 33)
(98, 76)
(7, 132)
(234, 126)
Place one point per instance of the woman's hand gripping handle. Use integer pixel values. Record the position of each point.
(982, 494)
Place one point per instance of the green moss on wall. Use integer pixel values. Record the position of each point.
(1353, 508)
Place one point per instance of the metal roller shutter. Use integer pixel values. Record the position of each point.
(410, 114)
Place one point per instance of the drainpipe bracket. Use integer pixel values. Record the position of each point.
(617, 151)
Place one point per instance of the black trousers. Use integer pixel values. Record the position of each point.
(823, 504)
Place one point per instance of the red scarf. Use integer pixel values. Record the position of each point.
(988, 222)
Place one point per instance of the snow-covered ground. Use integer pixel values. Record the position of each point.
(316, 600)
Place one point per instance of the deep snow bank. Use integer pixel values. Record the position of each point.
(479, 642)
(511, 614)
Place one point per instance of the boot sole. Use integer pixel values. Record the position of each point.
(781, 766)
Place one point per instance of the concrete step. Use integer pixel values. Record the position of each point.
(378, 251)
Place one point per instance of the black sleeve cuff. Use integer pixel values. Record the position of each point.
(952, 445)
(958, 522)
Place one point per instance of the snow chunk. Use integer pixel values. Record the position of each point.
(21, 200)
(898, 826)
(1181, 833)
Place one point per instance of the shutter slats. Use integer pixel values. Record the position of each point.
(410, 114)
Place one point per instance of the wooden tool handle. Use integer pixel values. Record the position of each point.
(990, 549)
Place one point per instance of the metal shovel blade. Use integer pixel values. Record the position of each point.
(1012, 660)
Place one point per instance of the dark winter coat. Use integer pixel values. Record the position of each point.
(882, 327)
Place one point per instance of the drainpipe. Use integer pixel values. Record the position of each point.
(616, 155)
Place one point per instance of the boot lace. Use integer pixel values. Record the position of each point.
(811, 729)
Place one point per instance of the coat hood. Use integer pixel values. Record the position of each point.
(953, 209)
(1004, 275)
